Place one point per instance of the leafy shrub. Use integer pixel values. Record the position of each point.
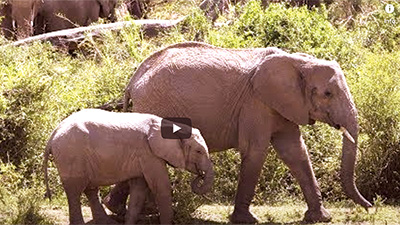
(185, 201)
(29, 211)
(296, 29)
(40, 87)
(19, 201)
(346, 11)
(377, 95)
(195, 26)
(382, 29)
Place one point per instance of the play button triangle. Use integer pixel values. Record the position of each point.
(175, 128)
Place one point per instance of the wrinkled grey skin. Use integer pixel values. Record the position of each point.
(58, 15)
(250, 99)
(93, 148)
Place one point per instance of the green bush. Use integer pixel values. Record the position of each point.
(294, 29)
(185, 201)
(19, 200)
(41, 86)
(380, 30)
(377, 95)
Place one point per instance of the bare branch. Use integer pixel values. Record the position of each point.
(149, 27)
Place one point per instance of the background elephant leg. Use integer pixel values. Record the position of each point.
(98, 213)
(138, 193)
(73, 188)
(291, 149)
(115, 201)
(250, 169)
(150, 206)
(39, 25)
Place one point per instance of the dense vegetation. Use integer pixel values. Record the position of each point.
(41, 85)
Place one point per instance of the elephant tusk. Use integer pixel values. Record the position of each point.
(347, 134)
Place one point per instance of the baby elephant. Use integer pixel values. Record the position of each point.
(93, 148)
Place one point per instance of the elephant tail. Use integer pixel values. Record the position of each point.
(47, 153)
(127, 98)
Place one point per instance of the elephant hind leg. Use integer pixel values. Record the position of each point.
(99, 214)
(73, 188)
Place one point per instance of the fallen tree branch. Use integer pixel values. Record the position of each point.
(149, 27)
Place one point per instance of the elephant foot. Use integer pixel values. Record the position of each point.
(243, 217)
(319, 215)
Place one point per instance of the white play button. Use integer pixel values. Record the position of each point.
(175, 128)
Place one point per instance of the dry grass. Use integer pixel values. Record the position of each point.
(278, 214)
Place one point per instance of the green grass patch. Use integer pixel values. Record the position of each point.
(293, 214)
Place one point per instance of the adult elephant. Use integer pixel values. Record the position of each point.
(22, 14)
(248, 99)
(57, 15)
(30, 17)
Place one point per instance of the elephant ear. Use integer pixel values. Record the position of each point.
(280, 83)
(168, 149)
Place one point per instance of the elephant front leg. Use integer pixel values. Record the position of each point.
(291, 149)
(250, 169)
(254, 138)
(156, 175)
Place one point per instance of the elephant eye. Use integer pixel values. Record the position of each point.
(328, 94)
(198, 151)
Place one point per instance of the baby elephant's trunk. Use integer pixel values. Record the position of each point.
(204, 182)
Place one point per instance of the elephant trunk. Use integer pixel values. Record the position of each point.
(349, 152)
(203, 182)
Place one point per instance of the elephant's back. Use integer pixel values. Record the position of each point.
(86, 121)
(191, 55)
(202, 82)
(100, 141)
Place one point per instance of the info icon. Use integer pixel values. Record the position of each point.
(389, 8)
(176, 128)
